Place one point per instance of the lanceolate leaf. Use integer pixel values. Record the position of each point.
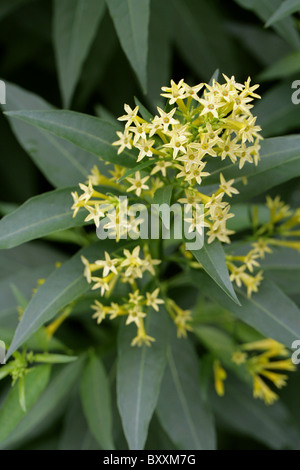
(264, 9)
(74, 28)
(140, 371)
(38, 217)
(212, 258)
(61, 162)
(11, 412)
(269, 311)
(181, 410)
(284, 67)
(288, 7)
(131, 20)
(95, 397)
(62, 286)
(87, 132)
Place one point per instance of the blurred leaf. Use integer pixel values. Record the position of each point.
(181, 410)
(269, 311)
(38, 217)
(75, 24)
(287, 65)
(248, 416)
(25, 280)
(131, 20)
(105, 114)
(75, 434)
(264, 45)
(264, 9)
(139, 375)
(8, 6)
(31, 255)
(163, 195)
(283, 268)
(160, 51)
(288, 7)
(97, 67)
(62, 163)
(143, 111)
(95, 396)
(11, 412)
(243, 214)
(87, 132)
(21, 300)
(212, 258)
(62, 287)
(198, 33)
(276, 112)
(48, 404)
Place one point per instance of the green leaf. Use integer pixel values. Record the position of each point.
(287, 65)
(263, 45)
(288, 7)
(139, 167)
(280, 162)
(139, 375)
(283, 268)
(163, 195)
(181, 410)
(248, 416)
(21, 300)
(61, 162)
(62, 287)
(8, 6)
(25, 280)
(264, 9)
(243, 216)
(75, 434)
(49, 403)
(276, 112)
(212, 258)
(11, 412)
(160, 51)
(131, 20)
(143, 110)
(192, 26)
(75, 24)
(269, 311)
(39, 216)
(96, 402)
(87, 132)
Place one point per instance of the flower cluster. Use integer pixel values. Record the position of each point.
(276, 232)
(180, 144)
(129, 268)
(183, 139)
(263, 361)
